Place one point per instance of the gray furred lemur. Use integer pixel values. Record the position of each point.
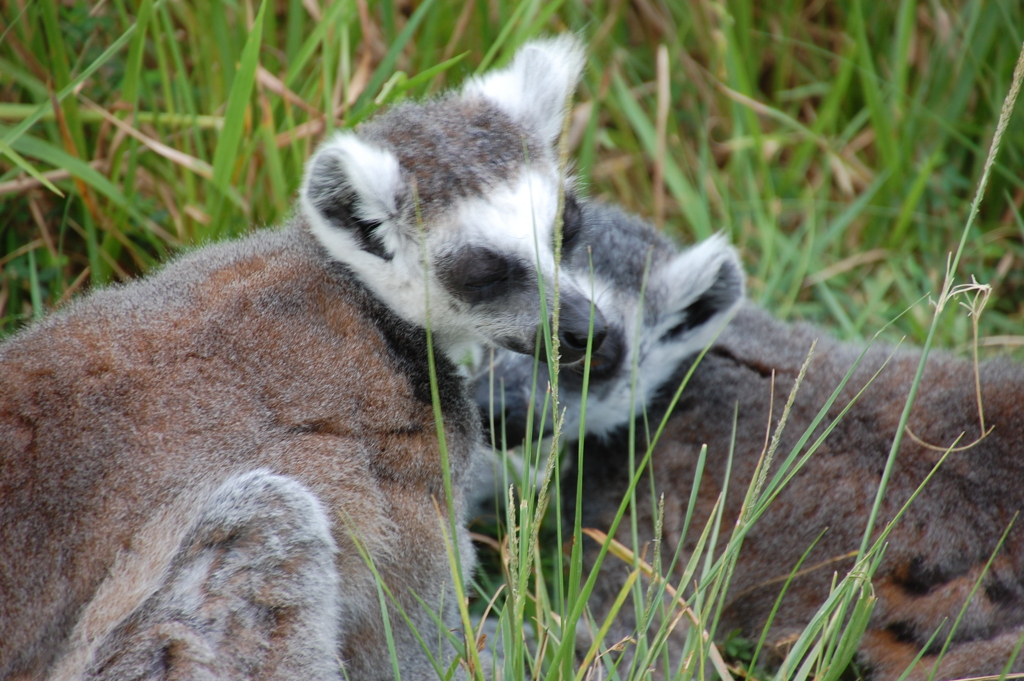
(936, 552)
(186, 461)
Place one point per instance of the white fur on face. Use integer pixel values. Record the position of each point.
(514, 219)
(517, 218)
(609, 409)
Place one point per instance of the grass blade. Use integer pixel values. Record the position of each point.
(225, 159)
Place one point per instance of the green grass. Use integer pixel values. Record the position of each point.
(838, 143)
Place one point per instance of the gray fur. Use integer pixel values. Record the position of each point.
(935, 553)
(449, 160)
(603, 228)
(251, 593)
(173, 452)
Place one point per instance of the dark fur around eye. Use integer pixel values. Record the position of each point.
(478, 275)
(487, 269)
(608, 358)
(572, 222)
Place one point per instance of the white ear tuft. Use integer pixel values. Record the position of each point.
(345, 170)
(699, 287)
(534, 87)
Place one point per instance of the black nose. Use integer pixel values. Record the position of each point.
(574, 326)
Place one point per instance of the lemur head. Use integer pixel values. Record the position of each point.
(688, 296)
(466, 187)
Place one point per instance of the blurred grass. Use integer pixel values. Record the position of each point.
(836, 141)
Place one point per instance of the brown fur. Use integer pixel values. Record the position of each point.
(136, 542)
(936, 552)
(121, 416)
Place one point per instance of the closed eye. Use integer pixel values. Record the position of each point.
(478, 275)
(606, 361)
(485, 273)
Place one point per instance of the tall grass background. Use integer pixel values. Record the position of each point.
(837, 142)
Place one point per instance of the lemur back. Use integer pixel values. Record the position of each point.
(254, 355)
(935, 554)
(300, 355)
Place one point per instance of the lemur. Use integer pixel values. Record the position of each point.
(613, 255)
(206, 459)
(936, 552)
(694, 291)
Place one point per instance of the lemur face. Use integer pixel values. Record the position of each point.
(688, 295)
(446, 209)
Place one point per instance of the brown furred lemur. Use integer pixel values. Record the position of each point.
(186, 460)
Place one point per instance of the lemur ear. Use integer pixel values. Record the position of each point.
(352, 187)
(697, 289)
(533, 88)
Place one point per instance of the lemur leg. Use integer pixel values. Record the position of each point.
(252, 594)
